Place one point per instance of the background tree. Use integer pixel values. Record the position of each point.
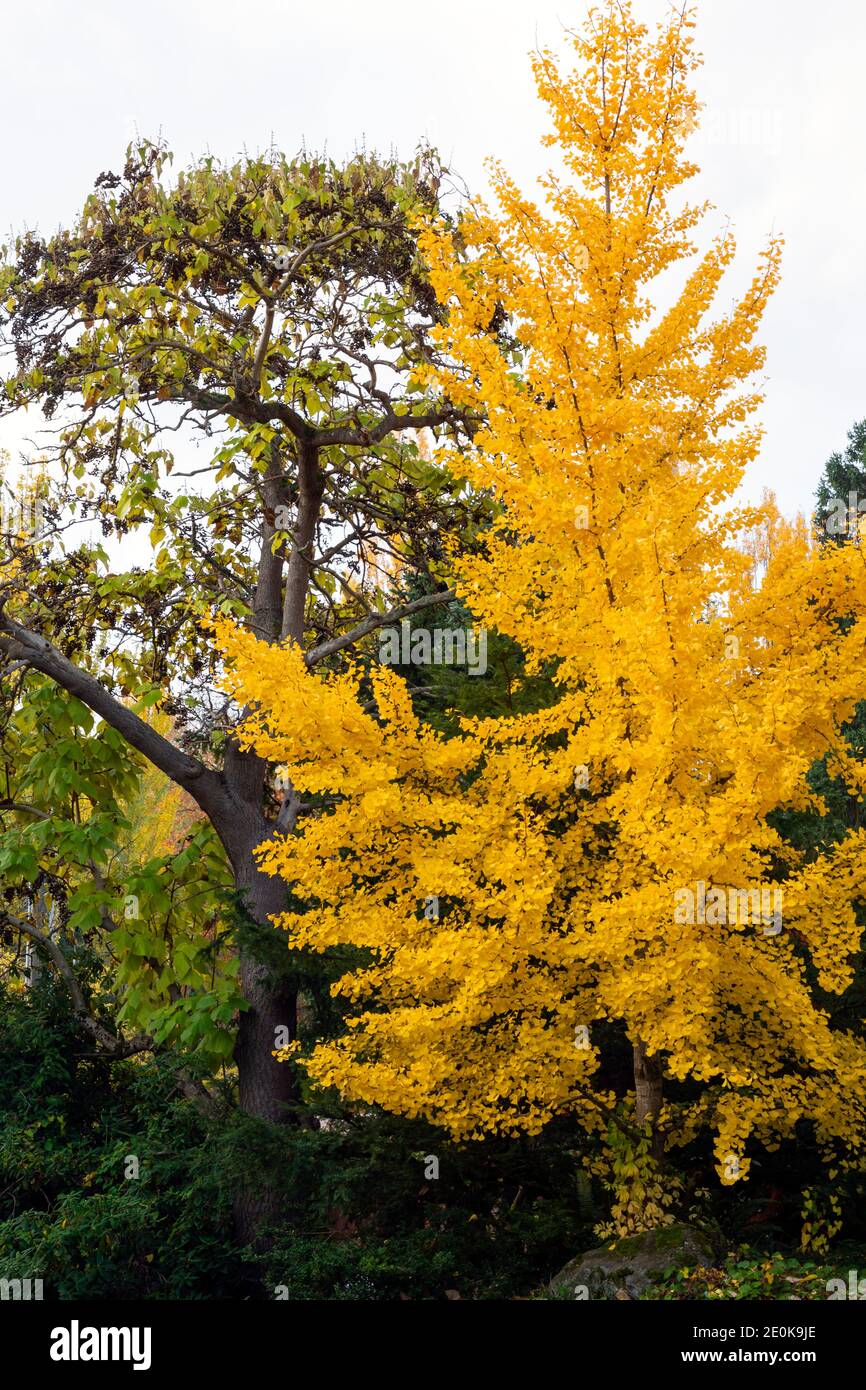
(229, 363)
(841, 494)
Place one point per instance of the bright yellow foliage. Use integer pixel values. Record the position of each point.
(695, 698)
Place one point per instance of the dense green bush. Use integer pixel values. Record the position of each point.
(365, 1222)
(360, 1220)
(361, 1216)
(69, 1123)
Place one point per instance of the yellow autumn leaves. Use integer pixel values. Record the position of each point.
(695, 698)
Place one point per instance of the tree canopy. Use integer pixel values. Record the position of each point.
(609, 858)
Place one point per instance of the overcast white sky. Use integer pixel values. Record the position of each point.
(782, 149)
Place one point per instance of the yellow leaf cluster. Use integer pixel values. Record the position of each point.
(504, 907)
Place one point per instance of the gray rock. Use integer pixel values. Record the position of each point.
(625, 1270)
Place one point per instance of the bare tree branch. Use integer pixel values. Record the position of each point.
(8, 805)
(376, 620)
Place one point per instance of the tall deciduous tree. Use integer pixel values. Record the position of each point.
(608, 860)
(229, 364)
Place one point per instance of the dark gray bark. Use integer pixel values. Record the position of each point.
(648, 1083)
(266, 1087)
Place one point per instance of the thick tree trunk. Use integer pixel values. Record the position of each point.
(648, 1094)
(266, 1087)
(299, 566)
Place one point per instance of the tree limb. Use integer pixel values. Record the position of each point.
(376, 620)
(203, 784)
(116, 1048)
(391, 423)
(8, 805)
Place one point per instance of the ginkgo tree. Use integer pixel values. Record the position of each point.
(517, 889)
